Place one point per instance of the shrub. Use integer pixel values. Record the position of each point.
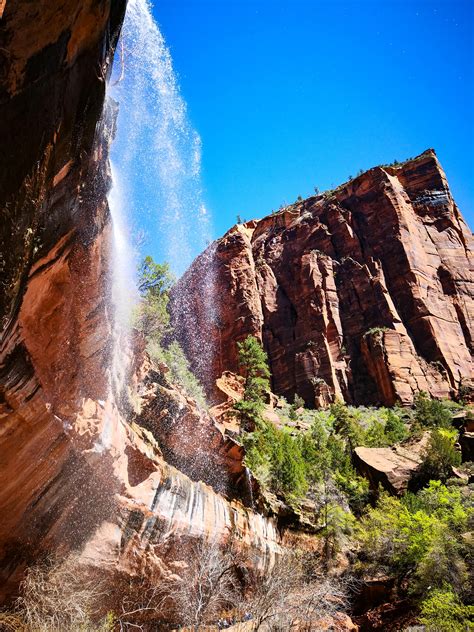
(175, 359)
(346, 425)
(431, 413)
(443, 611)
(419, 535)
(151, 315)
(439, 458)
(275, 458)
(395, 429)
(338, 525)
(153, 320)
(375, 330)
(288, 467)
(57, 596)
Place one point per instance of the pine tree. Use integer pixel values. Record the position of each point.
(254, 361)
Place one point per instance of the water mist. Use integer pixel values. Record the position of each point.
(156, 200)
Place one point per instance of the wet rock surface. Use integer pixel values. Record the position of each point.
(78, 472)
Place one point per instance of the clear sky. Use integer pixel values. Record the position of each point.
(292, 94)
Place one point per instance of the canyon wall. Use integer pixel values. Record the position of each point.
(77, 473)
(363, 293)
(53, 243)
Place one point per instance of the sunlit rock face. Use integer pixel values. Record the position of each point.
(364, 294)
(393, 468)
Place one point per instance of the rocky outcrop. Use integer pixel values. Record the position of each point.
(363, 293)
(54, 235)
(191, 438)
(391, 468)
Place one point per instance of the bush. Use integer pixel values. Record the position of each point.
(443, 611)
(439, 458)
(346, 426)
(153, 320)
(395, 429)
(419, 535)
(57, 596)
(276, 459)
(151, 315)
(288, 467)
(431, 413)
(175, 359)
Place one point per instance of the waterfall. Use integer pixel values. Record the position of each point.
(248, 479)
(124, 289)
(156, 150)
(156, 195)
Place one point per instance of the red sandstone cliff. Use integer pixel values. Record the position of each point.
(364, 293)
(77, 473)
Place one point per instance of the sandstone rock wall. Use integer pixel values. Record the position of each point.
(78, 473)
(53, 258)
(364, 293)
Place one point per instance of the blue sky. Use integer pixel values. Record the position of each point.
(292, 94)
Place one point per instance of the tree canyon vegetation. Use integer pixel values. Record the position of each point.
(277, 435)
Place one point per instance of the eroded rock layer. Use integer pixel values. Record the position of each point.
(364, 293)
(53, 256)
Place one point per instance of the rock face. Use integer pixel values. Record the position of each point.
(78, 473)
(53, 244)
(364, 293)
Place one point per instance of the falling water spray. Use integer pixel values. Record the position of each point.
(156, 150)
(156, 199)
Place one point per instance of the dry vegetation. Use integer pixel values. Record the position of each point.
(217, 587)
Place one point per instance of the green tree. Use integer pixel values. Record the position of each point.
(175, 359)
(419, 536)
(154, 278)
(439, 458)
(346, 426)
(152, 319)
(254, 362)
(151, 315)
(443, 611)
(395, 429)
(431, 413)
(338, 525)
(288, 467)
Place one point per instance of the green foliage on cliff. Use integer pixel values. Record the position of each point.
(439, 458)
(253, 360)
(152, 319)
(431, 413)
(419, 539)
(444, 611)
(151, 314)
(272, 454)
(180, 373)
(275, 458)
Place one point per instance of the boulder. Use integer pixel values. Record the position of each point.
(392, 468)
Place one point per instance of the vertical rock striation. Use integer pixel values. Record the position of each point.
(363, 293)
(54, 235)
